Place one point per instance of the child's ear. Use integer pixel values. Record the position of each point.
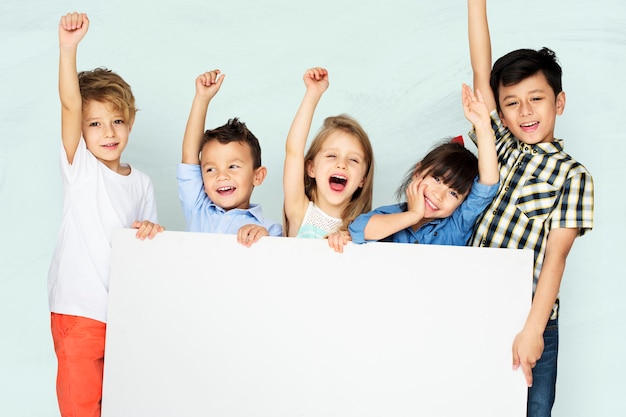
(560, 103)
(259, 176)
(502, 118)
(309, 169)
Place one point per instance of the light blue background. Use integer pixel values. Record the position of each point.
(397, 66)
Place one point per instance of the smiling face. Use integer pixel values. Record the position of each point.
(228, 174)
(339, 169)
(529, 109)
(105, 132)
(440, 200)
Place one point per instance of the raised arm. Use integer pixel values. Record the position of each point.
(480, 49)
(477, 112)
(207, 86)
(296, 201)
(72, 29)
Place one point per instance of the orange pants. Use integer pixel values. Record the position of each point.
(79, 346)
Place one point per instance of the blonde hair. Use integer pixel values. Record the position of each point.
(362, 198)
(105, 86)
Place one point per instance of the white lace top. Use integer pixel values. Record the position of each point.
(317, 224)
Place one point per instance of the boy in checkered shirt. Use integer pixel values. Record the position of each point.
(545, 199)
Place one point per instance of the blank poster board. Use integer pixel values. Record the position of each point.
(199, 325)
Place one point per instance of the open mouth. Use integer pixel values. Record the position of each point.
(337, 182)
(430, 204)
(223, 191)
(530, 126)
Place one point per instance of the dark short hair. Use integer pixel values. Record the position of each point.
(520, 64)
(235, 131)
(456, 165)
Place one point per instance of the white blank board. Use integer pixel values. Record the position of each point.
(199, 325)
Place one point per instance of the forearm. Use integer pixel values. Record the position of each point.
(301, 125)
(488, 172)
(69, 91)
(194, 131)
(480, 49)
(559, 244)
(380, 226)
(71, 101)
(478, 33)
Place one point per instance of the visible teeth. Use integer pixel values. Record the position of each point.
(430, 203)
(339, 179)
(224, 188)
(529, 124)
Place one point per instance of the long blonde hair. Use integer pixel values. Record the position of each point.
(361, 201)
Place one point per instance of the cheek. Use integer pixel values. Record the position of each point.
(206, 179)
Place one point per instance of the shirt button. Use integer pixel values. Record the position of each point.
(435, 234)
(494, 212)
(506, 188)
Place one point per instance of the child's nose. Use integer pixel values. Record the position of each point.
(109, 132)
(439, 191)
(525, 109)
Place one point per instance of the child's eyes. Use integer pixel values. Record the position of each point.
(454, 194)
(437, 179)
(119, 122)
(356, 161)
(511, 103)
(536, 98)
(233, 166)
(94, 124)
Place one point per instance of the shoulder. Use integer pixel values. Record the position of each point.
(562, 164)
(138, 175)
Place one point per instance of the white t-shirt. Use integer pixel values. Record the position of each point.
(96, 202)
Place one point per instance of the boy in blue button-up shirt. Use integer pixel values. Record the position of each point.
(219, 170)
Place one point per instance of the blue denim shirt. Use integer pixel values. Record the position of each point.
(454, 230)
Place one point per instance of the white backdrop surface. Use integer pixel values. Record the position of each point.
(396, 66)
(199, 325)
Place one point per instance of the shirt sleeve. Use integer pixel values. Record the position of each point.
(357, 227)
(275, 229)
(575, 206)
(190, 187)
(464, 217)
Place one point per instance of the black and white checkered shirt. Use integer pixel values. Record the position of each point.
(541, 188)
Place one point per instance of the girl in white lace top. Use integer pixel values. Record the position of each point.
(326, 188)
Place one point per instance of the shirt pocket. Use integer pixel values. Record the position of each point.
(537, 198)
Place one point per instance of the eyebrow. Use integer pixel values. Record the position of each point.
(535, 91)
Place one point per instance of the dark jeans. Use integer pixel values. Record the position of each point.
(541, 394)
